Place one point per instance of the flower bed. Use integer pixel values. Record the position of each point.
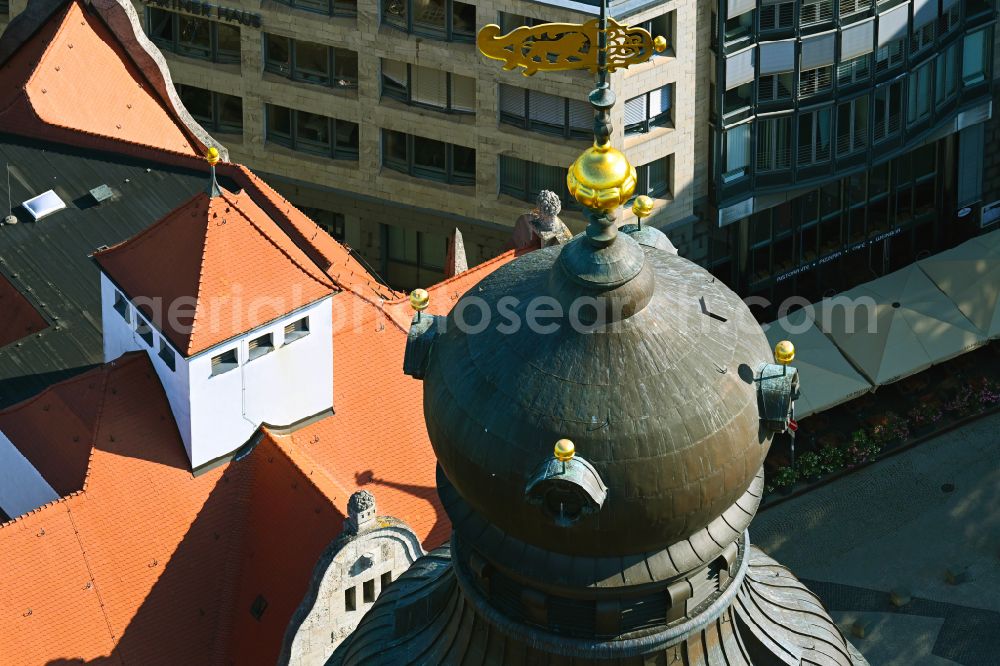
(858, 432)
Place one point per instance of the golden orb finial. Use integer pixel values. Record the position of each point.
(601, 178)
(212, 155)
(419, 299)
(564, 450)
(784, 352)
(642, 206)
(659, 43)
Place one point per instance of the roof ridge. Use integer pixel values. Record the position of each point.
(329, 283)
(98, 417)
(201, 277)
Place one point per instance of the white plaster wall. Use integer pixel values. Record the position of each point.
(120, 337)
(22, 488)
(292, 382)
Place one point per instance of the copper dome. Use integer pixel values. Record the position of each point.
(661, 403)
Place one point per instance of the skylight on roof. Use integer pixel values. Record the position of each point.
(44, 204)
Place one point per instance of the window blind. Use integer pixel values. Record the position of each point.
(659, 101)
(892, 24)
(512, 100)
(394, 71)
(546, 108)
(738, 7)
(635, 110)
(463, 93)
(776, 57)
(581, 115)
(818, 51)
(738, 148)
(858, 39)
(739, 68)
(428, 86)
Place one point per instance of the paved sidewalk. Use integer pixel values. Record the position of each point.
(902, 525)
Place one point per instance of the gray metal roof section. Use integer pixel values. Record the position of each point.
(48, 261)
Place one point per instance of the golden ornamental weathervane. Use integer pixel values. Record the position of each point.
(564, 46)
(601, 179)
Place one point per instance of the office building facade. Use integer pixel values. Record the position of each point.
(791, 147)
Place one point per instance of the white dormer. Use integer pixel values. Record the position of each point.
(253, 346)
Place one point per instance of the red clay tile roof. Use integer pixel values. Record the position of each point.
(333, 257)
(74, 77)
(67, 414)
(19, 318)
(145, 553)
(223, 261)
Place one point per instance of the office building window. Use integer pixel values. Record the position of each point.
(853, 71)
(145, 330)
(192, 36)
(312, 133)
(416, 248)
(259, 346)
(443, 19)
(310, 62)
(737, 150)
(888, 110)
(775, 87)
(328, 7)
(951, 18)
(650, 110)
(849, 7)
(737, 100)
(889, 56)
(739, 27)
(215, 111)
(661, 26)
(852, 126)
(777, 16)
(923, 37)
(814, 12)
(424, 86)
(815, 81)
(428, 158)
(974, 55)
(814, 137)
(653, 179)
(918, 103)
(946, 74)
(524, 180)
(545, 113)
(332, 223)
(508, 21)
(774, 143)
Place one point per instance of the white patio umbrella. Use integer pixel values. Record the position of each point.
(970, 276)
(897, 325)
(826, 378)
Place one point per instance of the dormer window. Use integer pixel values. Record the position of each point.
(122, 307)
(224, 362)
(145, 331)
(297, 329)
(260, 346)
(167, 355)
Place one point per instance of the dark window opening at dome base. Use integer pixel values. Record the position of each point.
(564, 505)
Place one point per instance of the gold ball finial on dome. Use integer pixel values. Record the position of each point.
(419, 299)
(212, 155)
(659, 43)
(564, 450)
(784, 352)
(601, 178)
(642, 206)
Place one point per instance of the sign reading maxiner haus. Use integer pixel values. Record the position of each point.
(209, 10)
